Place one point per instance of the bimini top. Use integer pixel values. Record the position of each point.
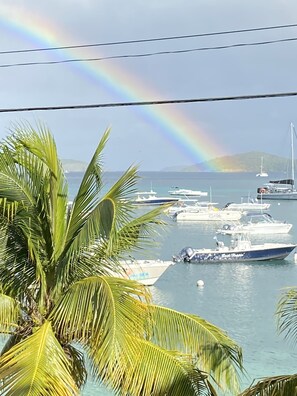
(283, 181)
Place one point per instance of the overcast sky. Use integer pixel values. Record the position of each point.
(170, 135)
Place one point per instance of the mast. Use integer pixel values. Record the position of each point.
(292, 153)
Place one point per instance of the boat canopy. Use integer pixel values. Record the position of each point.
(283, 181)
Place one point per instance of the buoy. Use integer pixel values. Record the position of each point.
(200, 283)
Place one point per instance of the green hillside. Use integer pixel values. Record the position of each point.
(245, 162)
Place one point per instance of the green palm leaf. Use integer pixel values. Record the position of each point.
(88, 195)
(287, 314)
(101, 309)
(153, 371)
(100, 313)
(215, 352)
(9, 314)
(282, 385)
(37, 366)
(36, 153)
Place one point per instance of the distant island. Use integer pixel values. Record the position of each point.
(245, 162)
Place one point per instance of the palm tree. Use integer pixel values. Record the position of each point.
(280, 385)
(59, 304)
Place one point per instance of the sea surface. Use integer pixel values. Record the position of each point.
(239, 298)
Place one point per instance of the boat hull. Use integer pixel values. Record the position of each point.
(262, 253)
(279, 196)
(188, 193)
(258, 229)
(154, 202)
(249, 207)
(146, 272)
(209, 215)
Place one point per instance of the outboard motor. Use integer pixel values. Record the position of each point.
(184, 255)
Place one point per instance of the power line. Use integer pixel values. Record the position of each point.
(148, 54)
(150, 103)
(166, 38)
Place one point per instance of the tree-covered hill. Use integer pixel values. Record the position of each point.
(244, 162)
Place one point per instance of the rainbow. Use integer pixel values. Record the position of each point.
(187, 136)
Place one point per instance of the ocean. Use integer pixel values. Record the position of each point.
(239, 298)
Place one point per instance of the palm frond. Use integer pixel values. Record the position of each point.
(140, 232)
(37, 366)
(282, 385)
(148, 370)
(36, 154)
(77, 361)
(214, 351)
(287, 314)
(101, 310)
(9, 314)
(110, 229)
(33, 178)
(89, 208)
(88, 194)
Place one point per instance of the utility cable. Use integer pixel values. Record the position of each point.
(54, 62)
(150, 103)
(166, 38)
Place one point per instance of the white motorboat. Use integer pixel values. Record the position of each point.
(283, 189)
(249, 206)
(146, 272)
(208, 213)
(257, 223)
(241, 249)
(183, 192)
(151, 198)
(187, 205)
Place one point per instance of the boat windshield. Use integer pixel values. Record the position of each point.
(260, 218)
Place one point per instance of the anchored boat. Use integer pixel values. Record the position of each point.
(146, 272)
(241, 249)
(281, 189)
(151, 198)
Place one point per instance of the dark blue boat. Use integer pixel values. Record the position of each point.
(241, 249)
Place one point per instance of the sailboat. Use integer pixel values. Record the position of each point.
(283, 189)
(262, 173)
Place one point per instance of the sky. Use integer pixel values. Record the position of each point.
(152, 137)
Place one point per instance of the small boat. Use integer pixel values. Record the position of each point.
(257, 223)
(207, 213)
(151, 198)
(146, 272)
(181, 204)
(240, 250)
(183, 192)
(187, 205)
(249, 206)
(283, 189)
(278, 190)
(262, 173)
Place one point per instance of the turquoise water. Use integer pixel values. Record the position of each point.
(239, 298)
